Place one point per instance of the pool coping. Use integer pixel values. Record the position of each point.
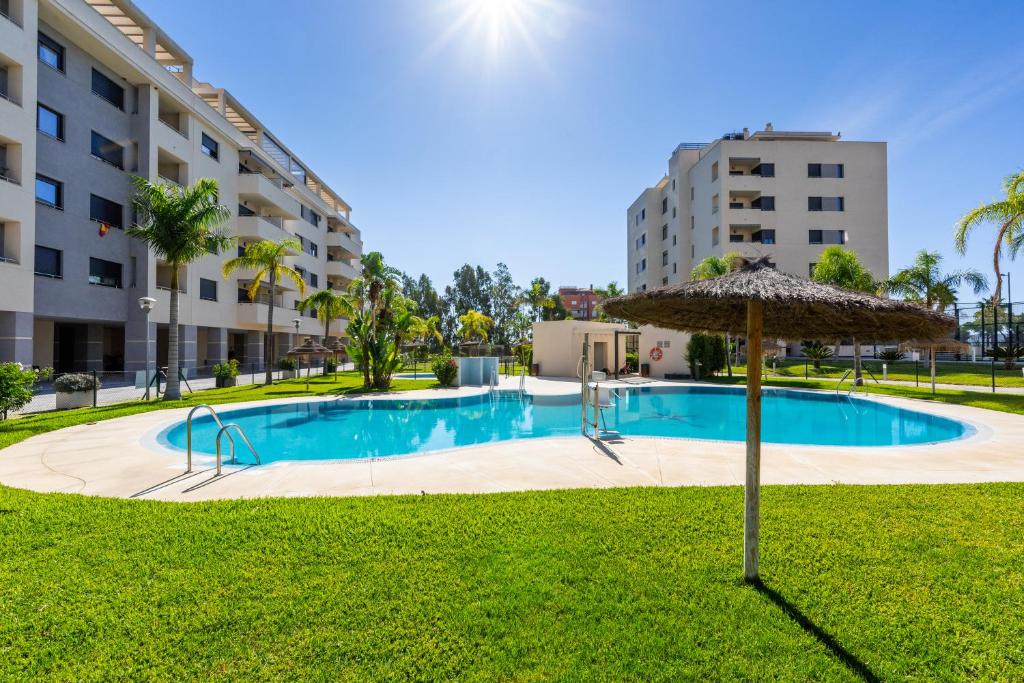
(98, 459)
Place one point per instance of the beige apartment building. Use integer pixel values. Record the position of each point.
(92, 92)
(780, 194)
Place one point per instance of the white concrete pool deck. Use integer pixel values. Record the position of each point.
(118, 458)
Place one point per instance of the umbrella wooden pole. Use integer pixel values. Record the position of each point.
(752, 489)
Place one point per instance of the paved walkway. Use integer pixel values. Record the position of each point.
(117, 458)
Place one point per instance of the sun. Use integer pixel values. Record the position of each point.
(496, 19)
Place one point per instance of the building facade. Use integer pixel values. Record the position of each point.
(783, 195)
(93, 94)
(579, 301)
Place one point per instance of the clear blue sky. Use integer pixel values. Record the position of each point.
(456, 141)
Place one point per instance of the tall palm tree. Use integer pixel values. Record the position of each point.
(328, 305)
(841, 268)
(1008, 214)
(366, 296)
(181, 225)
(925, 283)
(716, 266)
(266, 257)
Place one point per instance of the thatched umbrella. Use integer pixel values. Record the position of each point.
(757, 301)
(933, 346)
(309, 349)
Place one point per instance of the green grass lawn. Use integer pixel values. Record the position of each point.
(909, 582)
(946, 372)
(1007, 403)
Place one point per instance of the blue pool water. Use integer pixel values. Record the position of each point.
(351, 429)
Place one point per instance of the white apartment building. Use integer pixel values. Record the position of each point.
(91, 93)
(781, 194)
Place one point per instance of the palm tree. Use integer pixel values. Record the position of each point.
(365, 296)
(841, 268)
(925, 283)
(266, 257)
(181, 225)
(1008, 213)
(475, 325)
(328, 306)
(716, 266)
(611, 291)
(428, 330)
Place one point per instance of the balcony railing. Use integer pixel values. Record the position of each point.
(182, 133)
(9, 18)
(7, 178)
(172, 181)
(9, 97)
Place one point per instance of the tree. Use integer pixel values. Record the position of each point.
(15, 387)
(816, 351)
(1008, 214)
(266, 257)
(181, 225)
(381, 318)
(505, 297)
(538, 298)
(428, 331)
(840, 267)
(475, 326)
(328, 306)
(711, 267)
(611, 291)
(924, 283)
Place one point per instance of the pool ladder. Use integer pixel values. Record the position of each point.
(224, 429)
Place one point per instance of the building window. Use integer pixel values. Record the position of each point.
(311, 216)
(664, 232)
(104, 273)
(736, 238)
(49, 262)
(714, 171)
(664, 205)
(210, 147)
(51, 53)
(764, 236)
(105, 211)
(673, 184)
(49, 192)
(314, 280)
(714, 236)
(825, 170)
(766, 170)
(691, 193)
(207, 289)
(49, 122)
(664, 258)
(714, 204)
(675, 268)
(107, 150)
(643, 214)
(673, 212)
(764, 203)
(826, 237)
(691, 223)
(673, 240)
(691, 251)
(107, 89)
(825, 204)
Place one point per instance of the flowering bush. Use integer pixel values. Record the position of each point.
(76, 381)
(445, 369)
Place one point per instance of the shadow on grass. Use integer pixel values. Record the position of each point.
(841, 653)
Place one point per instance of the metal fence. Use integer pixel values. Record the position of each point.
(984, 326)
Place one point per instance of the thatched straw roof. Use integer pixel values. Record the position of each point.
(309, 348)
(794, 308)
(334, 345)
(940, 345)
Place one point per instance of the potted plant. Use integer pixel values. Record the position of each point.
(225, 373)
(75, 390)
(287, 367)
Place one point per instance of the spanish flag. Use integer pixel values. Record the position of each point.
(104, 229)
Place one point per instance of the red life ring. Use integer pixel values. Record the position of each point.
(656, 354)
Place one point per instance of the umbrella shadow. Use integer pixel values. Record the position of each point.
(849, 659)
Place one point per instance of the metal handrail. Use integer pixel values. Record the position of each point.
(226, 428)
(188, 431)
(522, 382)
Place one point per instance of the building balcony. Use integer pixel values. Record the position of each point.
(262, 191)
(347, 246)
(261, 228)
(341, 269)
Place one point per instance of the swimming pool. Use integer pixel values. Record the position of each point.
(355, 429)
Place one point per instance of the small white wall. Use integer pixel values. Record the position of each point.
(673, 347)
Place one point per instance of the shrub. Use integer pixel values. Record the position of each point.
(76, 381)
(226, 370)
(524, 355)
(445, 369)
(632, 361)
(286, 363)
(330, 365)
(890, 356)
(15, 387)
(816, 351)
(706, 354)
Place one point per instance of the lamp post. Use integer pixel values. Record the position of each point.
(295, 342)
(146, 303)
